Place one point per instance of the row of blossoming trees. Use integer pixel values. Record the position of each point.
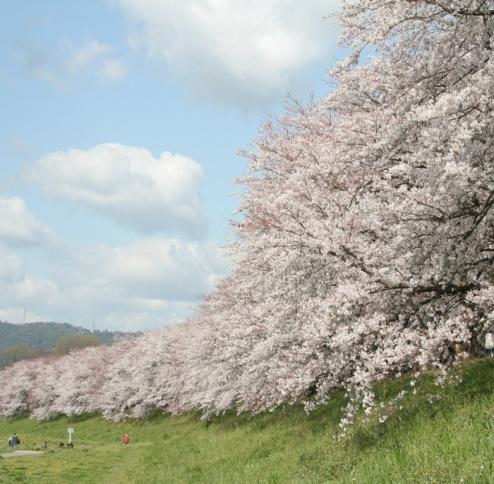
(365, 247)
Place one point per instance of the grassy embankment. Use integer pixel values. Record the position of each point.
(448, 440)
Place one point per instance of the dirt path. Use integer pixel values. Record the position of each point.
(20, 453)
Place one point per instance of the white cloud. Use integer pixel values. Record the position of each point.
(18, 226)
(11, 267)
(86, 54)
(31, 290)
(113, 70)
(240, 51)
(129, 185)
(60, 65)
(156, 268)
(140, 286)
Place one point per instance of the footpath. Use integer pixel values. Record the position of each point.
(20, 453)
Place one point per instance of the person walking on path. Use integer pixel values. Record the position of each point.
(14, 441)
(126, 440)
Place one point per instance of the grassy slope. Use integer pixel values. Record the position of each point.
(445, 441)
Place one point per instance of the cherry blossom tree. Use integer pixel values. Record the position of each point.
(367, 231)
(364, 247)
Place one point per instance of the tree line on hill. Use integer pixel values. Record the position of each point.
(33, 340)
(365, 247)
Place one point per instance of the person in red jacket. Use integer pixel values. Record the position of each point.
(126, 440)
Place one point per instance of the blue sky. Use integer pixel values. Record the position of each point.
(120, 124)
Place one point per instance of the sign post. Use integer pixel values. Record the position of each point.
(70, 431)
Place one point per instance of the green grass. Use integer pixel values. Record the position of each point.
(450, 440)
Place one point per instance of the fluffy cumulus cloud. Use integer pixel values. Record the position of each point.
(18, 226)
(233, 51)
(154, 281)
(130, 185)
(150, 283)
(148, 269)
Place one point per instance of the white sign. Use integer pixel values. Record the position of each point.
(489, 341)
(70, 431)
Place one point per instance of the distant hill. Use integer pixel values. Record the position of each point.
(19, 341)
(44, 336)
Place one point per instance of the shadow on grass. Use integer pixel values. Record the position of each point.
(477, 381)
(431, 401)
(317, 421)
(82, 418)
(19, 416)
